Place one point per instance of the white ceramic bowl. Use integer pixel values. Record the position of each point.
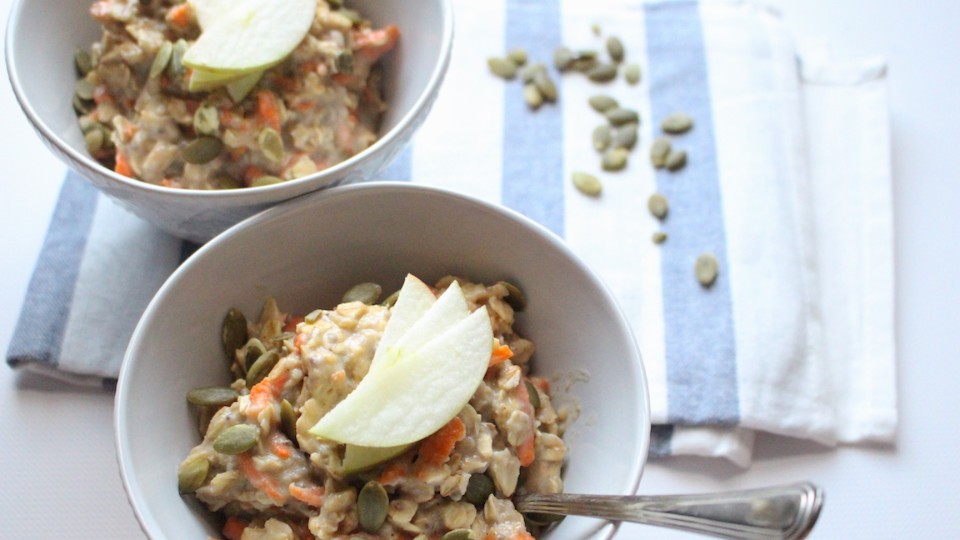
(43, 35)
(305, 253)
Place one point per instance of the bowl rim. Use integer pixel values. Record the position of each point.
(147, 523)
(249, 195)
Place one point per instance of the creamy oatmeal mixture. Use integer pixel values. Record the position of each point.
(274, 480)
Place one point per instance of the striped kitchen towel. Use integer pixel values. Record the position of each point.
(787, 184)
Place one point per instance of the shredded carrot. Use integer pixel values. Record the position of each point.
(372, 44)
(291, 324)
(524, 535)
(490, 536)
(233, 528)
(101, 95)
(280, 445)
(501, 353)
(251, 173)
(259, 480)
(267, 109)
(100, 10)
(525, 450)
(343, 79)
(393, 472)
(299, 340)
(541, 383)
(122, 165)
(179, 15)
(304, 105)
(311, 495)
(436, 449)
(264, 393)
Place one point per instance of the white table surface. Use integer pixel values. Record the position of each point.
(58, 469)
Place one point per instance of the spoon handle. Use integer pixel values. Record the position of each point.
(783, 512)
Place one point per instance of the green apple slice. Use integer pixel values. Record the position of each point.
(360, 458)
(202, 80)
(414, 300)
(239, 88)
(413, 395)
(449, 309)
(244, 36)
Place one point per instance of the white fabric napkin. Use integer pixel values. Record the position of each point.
(787, 184)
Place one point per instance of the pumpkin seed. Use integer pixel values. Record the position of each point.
(533, 393)
(584, 64)
(83, 62)
(545, 85)
(586, 54)
(352, 15)
(625, 136)
(313, 316)
(204, 415)
(602, 103)
(283, 337)
(206, 120)
(271, 144)
(532, 96)
(93, 140)
(518, 56)
(344, 62)
(619, 116)
(212, 396)
(602, 135)
(175, 68)
(252, 350)
(615, 159)
(659, 151)
(372, 504)
(677, 123)
(595, 28)
(631, 73)
(615, 48)
(226, 182)
(459, 534)
(659, 237)
(233, 332)
(706, 268)
(161, 59)
(657, 204)
(676, 159)
(542, 519)
(335, 4)
(528, 72)
(367, 292)
(288, 420)
(266, 180)
(236, 439)
(502, 67)
(262, 367)
(390, 300)
(602, 73)
(84, 89)
(479, 488)
(81, 106)
(515, 297)
(193, 474)
(202, 150)
(562, 58)
(587, 183)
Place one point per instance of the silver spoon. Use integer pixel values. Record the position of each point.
(785, 512)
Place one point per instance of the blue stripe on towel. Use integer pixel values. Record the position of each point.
(533, 140)
(40, 329)
(698, 322)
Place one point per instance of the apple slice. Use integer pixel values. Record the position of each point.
(415, 393)
(360, 458)
(244, 36)
(414, 300)
(449, 309)
(239, 88)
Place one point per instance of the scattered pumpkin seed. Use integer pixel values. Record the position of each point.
(271, 144)
(233, 332)
(84, 89)
(288, 420)
(175, 68)
(625, 136)
(515, 297)
(532, 96)
(372, 504)
(266, 180)
(562, 58)
(161, 59)
(479, 488)
(83, 62)
(545, 85)
(602, 103)
(631, 73)
(206, 120)
(367, 292)
(676, 159)
(502, 67)
(602, 73)
(252, 350)
(212, 396)
(595, 28)
(602, 135)
(236, 439)
(676, 123)
(518, 56)
(658, 206)
(586, 54)
(584, 64)
(619, 116)
(202, 150)
(93, 140)
(533, 393)
(459, 534)
(528, 71)
(192, 474)
(659, 237)
(615, 48)
(345, 62)
(262, 367)
(706, 268)
(659, 151)
(587, 183)
(614, 159)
